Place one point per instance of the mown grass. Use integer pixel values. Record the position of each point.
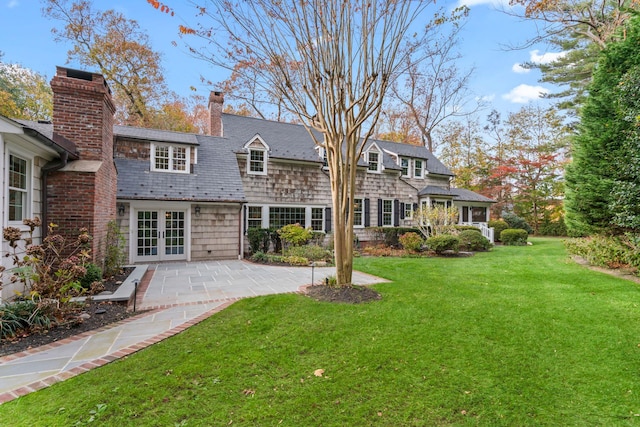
(516, 336)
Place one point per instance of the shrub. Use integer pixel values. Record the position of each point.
(310, 252)
(257, 238)
(514, 237)
(498, 226)
(473, 240)
(21, 315)
(93, 274)
(515, 222)
(607, 251)
(295, 260)
(444, 242)
(275, 239)
(115, 257)
(553, 228)
(460, 228)
(391, 235)
(411, 241)
(295, 234)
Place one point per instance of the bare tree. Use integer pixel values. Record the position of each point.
(332, 63)
(432, 88)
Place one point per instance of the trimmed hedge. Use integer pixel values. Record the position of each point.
(473, 240)
(444, 242)
(514, 237)
(498, 225)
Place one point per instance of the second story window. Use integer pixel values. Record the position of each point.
(170, 158)
(256, 162)
(418, 168)
(404, 164)
(374, 161)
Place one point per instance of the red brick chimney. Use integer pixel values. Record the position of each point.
(216, 100)
(83, 193)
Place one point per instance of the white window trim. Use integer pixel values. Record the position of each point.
(28, 203)
(250, 146)
(361, 225)
(171, 169)
(307, 214)
(400, 159)
(421, 175)
(392, 212)
(410, 207)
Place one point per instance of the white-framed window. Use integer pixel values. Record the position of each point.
(19, 188)
(404, 164)
(170, 158)
(358, 212)
(373, 158)
(257, 162)
(418, 168)
(408, 210)
(387, 213)
(317, 219)
(254, 217)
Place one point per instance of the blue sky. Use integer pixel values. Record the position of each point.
(25, 38)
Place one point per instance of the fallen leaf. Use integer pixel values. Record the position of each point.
(248, 392)
(318, 372)
(379, 414)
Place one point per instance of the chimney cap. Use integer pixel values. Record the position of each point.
(216, 97)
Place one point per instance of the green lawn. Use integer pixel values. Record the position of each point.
(517, 336)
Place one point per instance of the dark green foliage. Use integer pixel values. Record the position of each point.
(19, 315)
(258, 239)
(473, 240)
(93, 274)
(411, 241)
(553, 228)
(599, 149)
(115, 256)
(466, 227)
(391, 235)
(444, 242)
(514, 237)
(498, 225)
(275, 240)
(514, 221)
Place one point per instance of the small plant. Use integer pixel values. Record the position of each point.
(295, 260)
(412, 242)
(516, 222)
(330, 281)
(514, 237)
(93, 274)
(473, 240)
(23, 315)
(444, 242)
(295, 234)
(311, 252)
(257, 237)
(498, 226)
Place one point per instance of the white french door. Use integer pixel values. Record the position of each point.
(160, 235)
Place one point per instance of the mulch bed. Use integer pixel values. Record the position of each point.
(344, 294)
(94, 315)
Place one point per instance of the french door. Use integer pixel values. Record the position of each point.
(160, 235)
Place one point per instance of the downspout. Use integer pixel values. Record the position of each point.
(46, 170)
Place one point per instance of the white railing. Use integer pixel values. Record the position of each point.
(485, 230)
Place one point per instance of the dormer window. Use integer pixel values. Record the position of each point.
(170, 158)
(404, 164)
(418, 168)
(257, 154)
(374, 159)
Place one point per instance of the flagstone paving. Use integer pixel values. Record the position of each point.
(173, 297)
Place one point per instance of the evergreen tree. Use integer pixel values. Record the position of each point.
(599, 148)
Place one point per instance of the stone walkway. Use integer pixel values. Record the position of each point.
(177, 296)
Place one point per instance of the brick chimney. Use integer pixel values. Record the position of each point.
(216, 100)
(83, 193)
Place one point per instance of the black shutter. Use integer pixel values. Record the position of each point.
(379, 212)
(245, 220)
(415, 207)
(396, 213)
(327, 220)
(465, 214)
(367, 213)
(401, 210)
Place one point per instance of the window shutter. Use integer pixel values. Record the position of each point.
(396, 213)
(401, 210)
(415, 207)
(327, 220)
(245, 220)
(379, 212)
(367, 213)
(465, 214)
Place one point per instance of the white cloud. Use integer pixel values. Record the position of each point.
(12, 4)
(519, 69)
(524, 93)
(545, 58)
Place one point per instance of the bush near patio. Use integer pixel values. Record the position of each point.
(443, 243)
(498, 226)
(492, 340)
(473, 240)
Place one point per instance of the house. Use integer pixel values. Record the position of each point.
(188, 197)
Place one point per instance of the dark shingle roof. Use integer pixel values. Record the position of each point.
(215, 178)
(155, 135)
(45, 129)
(434, 190)
(469, 196)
